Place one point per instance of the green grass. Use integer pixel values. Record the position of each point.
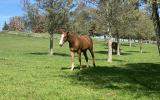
(27, 72)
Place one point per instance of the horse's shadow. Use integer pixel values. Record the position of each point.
(135, 76)
(68, 68)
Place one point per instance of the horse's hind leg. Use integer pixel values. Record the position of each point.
(86, 58)
(92, 54)
(79, 55)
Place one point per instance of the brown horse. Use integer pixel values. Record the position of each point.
(78, 44)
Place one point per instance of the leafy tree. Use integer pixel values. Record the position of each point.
(54, 11)
(113, 20)
(56, 16)
(156, 22)
(155, 18)
(40, 26)
(144, 29)
(82, 18)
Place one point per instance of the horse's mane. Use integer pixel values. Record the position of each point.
(73, 34)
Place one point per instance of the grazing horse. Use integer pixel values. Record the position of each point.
(114, 46)
(78, 44)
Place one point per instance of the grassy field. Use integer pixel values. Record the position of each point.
(27, 72)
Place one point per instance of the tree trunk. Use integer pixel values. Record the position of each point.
(149, 41)
(109, 44)
(110, 50)
(140, 43)
(130, 41)
(158, 44)
(118, 48)
(134, 40)
(156, 22)
(118, 44)
(51, 43)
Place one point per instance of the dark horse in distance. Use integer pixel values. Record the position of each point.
(78, 44)
(114, 46)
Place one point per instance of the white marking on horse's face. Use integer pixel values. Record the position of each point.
(61, 40)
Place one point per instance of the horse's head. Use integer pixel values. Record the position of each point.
(63, 38)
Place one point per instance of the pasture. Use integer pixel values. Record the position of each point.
(27, 72)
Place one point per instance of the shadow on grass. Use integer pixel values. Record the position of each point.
(46, 53)
(144, 77)
(101, 52)
(137, 51)
(75, 68)
(105, 59)
(128, 45)
(68, 68)
(38, 53)
(113, 53)
(61, 54)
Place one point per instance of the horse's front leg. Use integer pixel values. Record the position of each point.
(72, 60)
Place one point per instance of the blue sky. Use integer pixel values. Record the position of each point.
(9, 8)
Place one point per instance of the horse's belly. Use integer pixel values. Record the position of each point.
(73, 49)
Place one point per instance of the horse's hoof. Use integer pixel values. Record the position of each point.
(72, 69)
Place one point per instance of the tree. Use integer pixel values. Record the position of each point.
(156, 21)
(54, 11)
(103, 18)
(82, 18)
(144, 29)
(40, 26)
(56, 15)
(113, 20)
(34, 19)
(16, 24)
(5, 27)
(155, 18)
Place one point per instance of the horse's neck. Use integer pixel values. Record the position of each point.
(71, 39)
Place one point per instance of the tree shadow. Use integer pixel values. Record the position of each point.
(136, 51)
(118, 60)
(105, 59)
(142, 77)
(128, 45)
(100, 59)
(46, 53)
(101, 52)
(38, 53)
(113, 53)
(61, 54)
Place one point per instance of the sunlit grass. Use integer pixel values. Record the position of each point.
(28, 72)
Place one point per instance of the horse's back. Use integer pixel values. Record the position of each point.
(86, 42)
